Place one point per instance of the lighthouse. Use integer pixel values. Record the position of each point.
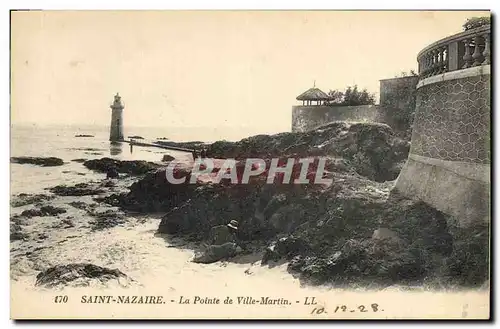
(116, 128)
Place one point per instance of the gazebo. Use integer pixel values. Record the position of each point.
(313, 95)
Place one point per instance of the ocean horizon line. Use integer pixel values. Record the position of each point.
(134, 126)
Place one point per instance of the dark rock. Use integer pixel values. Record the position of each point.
(39, 161)
(286, 247)
(364, 149)
(210, 207)
(64, 274)
(105, 220)
(24, 199)
(404, 253)
(338, 165)
(64, 224)
(79, 189)
(336, 234)
(82, 205)
(314, 269)
(167, 158)
(270, 255)
(132, 167)
(155, 193)
(28, 213)
(73, 172)
(84, 135)
(19, 219)
(108, 183)
(385, 234)
(17, 232)
(176, 224)
(290, 246)
(79, 160)
(468, 264)
(42, 236)
(52, 211)
(43, 211)
(286, 218)
(370, 149)
(117, 200)
(425, 228)
(112, 173)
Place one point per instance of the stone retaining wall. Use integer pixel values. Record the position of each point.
(449, 162)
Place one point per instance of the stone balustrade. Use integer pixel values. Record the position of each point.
(460, 51)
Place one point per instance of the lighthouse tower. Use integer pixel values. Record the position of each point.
(116, 128)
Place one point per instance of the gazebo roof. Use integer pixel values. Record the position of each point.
(313, 94)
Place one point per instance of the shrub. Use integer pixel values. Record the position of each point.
(404, 74)
(475, 22)
(351, 96)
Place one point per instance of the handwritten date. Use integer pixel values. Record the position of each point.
(344, 308)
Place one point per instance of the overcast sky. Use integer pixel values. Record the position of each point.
(205, 68)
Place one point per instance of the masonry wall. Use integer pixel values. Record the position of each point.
(305, 118)
(397, 101)
(449, 162)
(397, 105)
(399, 92)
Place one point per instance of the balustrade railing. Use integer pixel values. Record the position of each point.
(460, 51)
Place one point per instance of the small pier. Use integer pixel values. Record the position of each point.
(166, 147)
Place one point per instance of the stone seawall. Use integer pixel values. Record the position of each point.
(449, 162)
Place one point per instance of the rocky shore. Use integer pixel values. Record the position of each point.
(355, 231)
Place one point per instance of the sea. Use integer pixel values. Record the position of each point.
(157, 265)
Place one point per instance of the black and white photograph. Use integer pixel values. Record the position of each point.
(250, 164)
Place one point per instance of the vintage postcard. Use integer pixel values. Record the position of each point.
(250, 164)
